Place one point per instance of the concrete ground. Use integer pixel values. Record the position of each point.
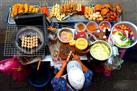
(121, 80)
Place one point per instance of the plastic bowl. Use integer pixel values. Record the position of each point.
(93, 25)
(134, 28)
(67, 30)
(106, 22)
(80, 25)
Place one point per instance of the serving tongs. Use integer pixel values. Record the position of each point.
(69, 15)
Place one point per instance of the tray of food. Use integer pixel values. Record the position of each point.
(74, 12)
(20, 9)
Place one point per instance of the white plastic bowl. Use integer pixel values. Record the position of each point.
(94, 23)
(134, 28)
(76, 27)
(106, 23)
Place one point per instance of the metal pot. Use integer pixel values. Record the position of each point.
(107, 45)
(134, 29)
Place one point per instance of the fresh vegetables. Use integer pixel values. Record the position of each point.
(121, 40)
(23, 8)
(100, 51)
(123, 35)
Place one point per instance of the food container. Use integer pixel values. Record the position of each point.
(92, 26)
(80, 27)
(100, 50)
(81, 43)
(65, 35)
(105, 25)
(81, 35)
(40, 78)
(124, 34)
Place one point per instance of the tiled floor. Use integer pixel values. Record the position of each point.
(121, 80)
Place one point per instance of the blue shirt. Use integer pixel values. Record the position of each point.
(60, 84)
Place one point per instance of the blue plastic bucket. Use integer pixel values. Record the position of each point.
(40, 78)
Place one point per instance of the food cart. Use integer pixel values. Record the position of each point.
(95, 32)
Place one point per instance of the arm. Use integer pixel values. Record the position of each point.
(88, 73)
(85, 69)
(59, 74)
(77, 58)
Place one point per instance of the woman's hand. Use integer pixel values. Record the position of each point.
(76, 57)
(64, 63)
(59, 74)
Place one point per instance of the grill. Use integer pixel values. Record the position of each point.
(9, 46)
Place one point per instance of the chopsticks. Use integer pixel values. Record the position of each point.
(69, 56)
(38, 66)
(39, 63)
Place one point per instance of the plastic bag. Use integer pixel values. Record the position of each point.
(13, 67)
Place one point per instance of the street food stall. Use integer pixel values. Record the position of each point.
(40, 37)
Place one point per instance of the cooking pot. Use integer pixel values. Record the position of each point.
(105, 47)
(92, 41)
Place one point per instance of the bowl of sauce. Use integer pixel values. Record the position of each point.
(80, 27)
(92, 26)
